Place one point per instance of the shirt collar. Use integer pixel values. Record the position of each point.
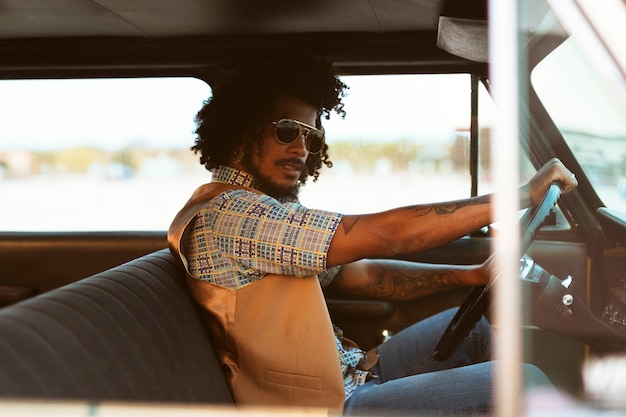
(229, 175)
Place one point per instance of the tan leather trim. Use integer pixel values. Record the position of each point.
(183, 219)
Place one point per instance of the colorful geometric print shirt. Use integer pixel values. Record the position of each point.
(241, 236)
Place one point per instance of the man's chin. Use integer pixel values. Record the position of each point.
(279, 192)
(287, 192)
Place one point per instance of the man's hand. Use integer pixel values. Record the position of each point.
(488, 270)
(552, 171)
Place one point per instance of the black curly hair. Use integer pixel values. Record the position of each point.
(239, 107)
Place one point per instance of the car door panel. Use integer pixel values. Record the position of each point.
(33, 263)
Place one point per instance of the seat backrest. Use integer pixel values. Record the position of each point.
(131, 333)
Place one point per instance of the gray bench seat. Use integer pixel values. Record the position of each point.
(131, 333)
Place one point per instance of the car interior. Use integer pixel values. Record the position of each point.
(413, 51)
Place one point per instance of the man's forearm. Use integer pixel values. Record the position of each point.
(406, 229)
(401, 280)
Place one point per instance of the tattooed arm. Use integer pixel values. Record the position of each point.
(421, 227)
(407, 229)
(401, 280)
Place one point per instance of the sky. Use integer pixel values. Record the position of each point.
(54, 114)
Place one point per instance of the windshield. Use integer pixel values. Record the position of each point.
(590, 115)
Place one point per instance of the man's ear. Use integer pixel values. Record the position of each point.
(238, 154)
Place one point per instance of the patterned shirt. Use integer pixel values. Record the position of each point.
(240, 236)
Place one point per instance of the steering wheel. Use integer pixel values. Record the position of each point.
(476, 303)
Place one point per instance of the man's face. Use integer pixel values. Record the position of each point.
(279, 166)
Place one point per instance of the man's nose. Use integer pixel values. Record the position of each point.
(299, 144)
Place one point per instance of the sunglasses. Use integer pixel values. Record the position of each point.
(288, 130)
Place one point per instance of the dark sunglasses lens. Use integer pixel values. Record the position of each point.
(287, 131)
(315, 141)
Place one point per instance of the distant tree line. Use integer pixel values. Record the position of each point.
(362, 156)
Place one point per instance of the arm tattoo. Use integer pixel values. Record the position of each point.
(403, 283)
(348, 223)
(447, 208)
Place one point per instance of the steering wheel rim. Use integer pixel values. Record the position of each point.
(477, 302)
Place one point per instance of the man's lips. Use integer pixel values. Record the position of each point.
(296, 165)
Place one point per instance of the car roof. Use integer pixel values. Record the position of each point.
(89, 37)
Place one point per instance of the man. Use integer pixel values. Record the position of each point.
(261, 137)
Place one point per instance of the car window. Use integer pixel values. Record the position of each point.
(590, 117)
(486, 118)
(96, 154)
(404, 140)
(113, 155)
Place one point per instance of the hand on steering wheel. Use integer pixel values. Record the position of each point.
(476, 303)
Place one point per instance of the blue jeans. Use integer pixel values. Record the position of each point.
(409, 381)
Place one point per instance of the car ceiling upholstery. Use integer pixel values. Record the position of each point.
(79, 34)
(23, 19)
